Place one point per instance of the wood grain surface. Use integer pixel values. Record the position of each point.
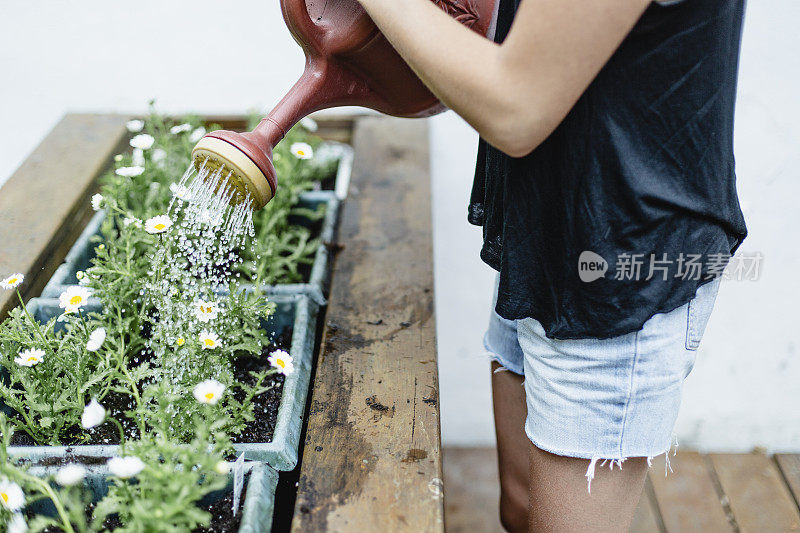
(44, 205)
(686, 497)
(372, 458)
(759, 499)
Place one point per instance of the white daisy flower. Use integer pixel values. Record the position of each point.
(11, 495)
(281, 360)
(138, 157)
(180, 128)
(209, 340)
(97, 201)
(70, 474)
(180, 341)
(309, 124)
(125, 467)
(302, 150)
(158, 156)
(205, 311)
(222, 468)
(96, 339)
(129, 172)
(143, 141)
(93, 414)
(30, 357)
(13, 281)
(135, 126)
(17, 524)
(74, 298)
(197, 134)
(181, 192)
(158, 224)
(208, 391)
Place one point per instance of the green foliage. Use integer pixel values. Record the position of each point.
(49, 396)
(280, 247)
(69, 502)
(153, 354)
(176, 476)
(163, 496)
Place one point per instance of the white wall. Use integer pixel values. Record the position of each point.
(96, 55)
(463, 287)
(211, 56)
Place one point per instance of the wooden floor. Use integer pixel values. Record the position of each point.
(715, 492)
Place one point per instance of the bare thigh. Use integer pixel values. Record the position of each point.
(548, 490)
(559, 500)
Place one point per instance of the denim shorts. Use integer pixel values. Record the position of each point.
(604, 399)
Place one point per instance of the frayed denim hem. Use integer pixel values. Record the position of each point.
(594, 459)
(505, 365)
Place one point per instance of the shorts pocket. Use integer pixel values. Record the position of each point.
(699, 311)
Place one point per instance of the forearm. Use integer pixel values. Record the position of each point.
(514, 94)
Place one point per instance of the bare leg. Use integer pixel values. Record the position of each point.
(510, 410)
(559, 500)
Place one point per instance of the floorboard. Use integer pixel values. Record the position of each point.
(759, 498)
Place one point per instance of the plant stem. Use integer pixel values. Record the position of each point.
(85, 325)
(135, 391)
(62, 513)
(121, 433)
(35, 323)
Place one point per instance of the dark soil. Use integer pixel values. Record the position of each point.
(222, 519)
(329, 183)
(71, 457)
(117, 405)
(265, 407)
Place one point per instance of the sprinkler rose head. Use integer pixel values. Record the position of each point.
(247, 165)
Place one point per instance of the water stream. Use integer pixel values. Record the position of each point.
(191, 273)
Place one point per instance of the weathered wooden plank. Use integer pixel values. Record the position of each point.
(646, 518)
(45, 203)
(372, 458)
(686, 497)
(759, 499)
(789, 463)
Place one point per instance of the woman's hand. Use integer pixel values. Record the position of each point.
(514, 94)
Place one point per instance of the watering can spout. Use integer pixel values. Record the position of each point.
(323, 85)
(348, 62)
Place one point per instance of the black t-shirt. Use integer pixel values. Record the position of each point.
(630, 204)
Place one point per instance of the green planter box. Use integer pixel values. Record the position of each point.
(295, 310)
(256, 510)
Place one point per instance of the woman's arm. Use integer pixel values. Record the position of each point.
(514, 94)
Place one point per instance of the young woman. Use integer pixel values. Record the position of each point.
(606, 190)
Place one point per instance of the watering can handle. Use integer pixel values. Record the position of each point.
(305, 32)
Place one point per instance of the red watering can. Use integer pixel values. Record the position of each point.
(348, 62)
